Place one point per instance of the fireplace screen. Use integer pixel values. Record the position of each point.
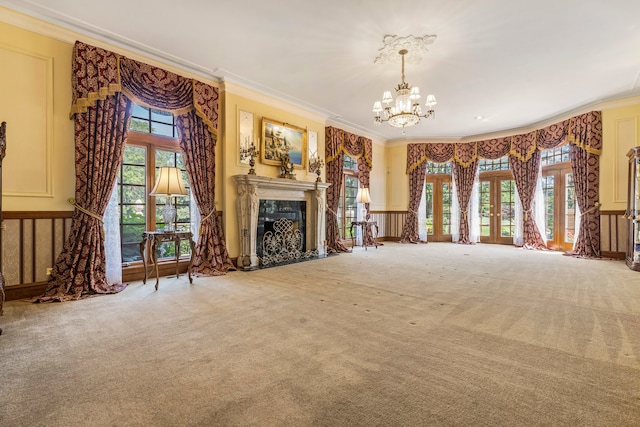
(281, 236)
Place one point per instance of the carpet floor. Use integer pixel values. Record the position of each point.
(402, 335)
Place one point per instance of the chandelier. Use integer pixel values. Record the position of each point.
(407, 111)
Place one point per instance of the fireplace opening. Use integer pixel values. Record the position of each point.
(270, 211)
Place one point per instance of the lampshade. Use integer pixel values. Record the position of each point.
(169, 183)
(363, 195)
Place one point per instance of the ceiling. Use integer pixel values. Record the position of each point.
(515, 63)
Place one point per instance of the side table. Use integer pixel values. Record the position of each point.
(367, 229)
(151, 239)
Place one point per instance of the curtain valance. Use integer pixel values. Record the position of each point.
(98, 73)
(584, 131)
(339, 141)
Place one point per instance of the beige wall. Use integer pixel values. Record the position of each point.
(35, 96)
(236, 99)
(620, 132)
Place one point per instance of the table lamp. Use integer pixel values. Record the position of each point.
(363, 197)
(169, 184)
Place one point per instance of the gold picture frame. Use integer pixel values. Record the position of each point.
(280, 138)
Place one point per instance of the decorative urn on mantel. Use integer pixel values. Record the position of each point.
(256, 192)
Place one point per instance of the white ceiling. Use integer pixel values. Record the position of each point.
(515, 62)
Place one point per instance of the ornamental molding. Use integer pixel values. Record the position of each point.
(392, 44)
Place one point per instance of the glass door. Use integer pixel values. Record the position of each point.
(497, 208)
(439, 193)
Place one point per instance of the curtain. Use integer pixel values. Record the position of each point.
(113, 250)
(455, 214)
(422, 215)
(474, 208)
(334, 162)
(585, 136)
(80, 270)
(416, 183)
(464, 178)
(518, 230)
(198, 147)
(337, 143)
(524, 159)
(539, 208)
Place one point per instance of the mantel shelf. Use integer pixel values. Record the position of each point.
(280, 183)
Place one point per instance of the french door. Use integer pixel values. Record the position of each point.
(560, 207)
(497, 207)
(439, 196)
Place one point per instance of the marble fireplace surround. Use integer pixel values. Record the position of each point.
(253, 188)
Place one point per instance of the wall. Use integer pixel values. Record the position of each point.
(621, 130)
(38, 171)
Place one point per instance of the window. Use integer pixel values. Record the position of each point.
(501, 164)
(439, 198)
(559, 198)
(347, 205)
(152, 143)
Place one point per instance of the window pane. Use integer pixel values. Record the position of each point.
(349, 163)
(162, 129)
(351, 190)
(133, 194)
(140, 112)
(570, 209)
(162, 117)
(134, 155)
(549, 205)
(446, 207)
(507, 208)
(485, 208)
(139, 125)
(429, 201)
(165, 158)
(439, 168)
(494, 165)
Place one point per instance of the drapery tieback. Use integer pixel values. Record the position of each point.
(72, 201)
(526, 214)
(595, 206)
(205, 218)
(333, 212)
(412, 211)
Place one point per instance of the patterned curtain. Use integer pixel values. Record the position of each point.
(417, 170)
(465, 167)
(525, 165)
(100, 133)
(198, 146)
(337, 143)
(585, 136)
(334, 162)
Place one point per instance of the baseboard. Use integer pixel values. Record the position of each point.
(28, 290)
(614, 255)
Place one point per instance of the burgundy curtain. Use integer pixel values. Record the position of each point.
(464, 177)
(525, 165)
(334, 159)
(585, 135)
(337, 143)
(417, 170)
(100, 133)
(198, 146)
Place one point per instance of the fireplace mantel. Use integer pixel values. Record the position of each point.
(253, 188)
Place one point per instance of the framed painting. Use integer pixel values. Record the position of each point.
(279, 139)
(245, 134)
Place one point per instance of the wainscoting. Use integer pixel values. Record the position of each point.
(32, 241)
(613, 234)
(389, 224)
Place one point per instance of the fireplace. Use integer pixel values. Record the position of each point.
(289, 214)
(271, 211)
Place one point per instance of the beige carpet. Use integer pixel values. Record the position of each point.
(402, 335)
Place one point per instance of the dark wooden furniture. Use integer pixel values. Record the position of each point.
(150, 240)
(633, 210)
(367, 230)
(3, 149)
